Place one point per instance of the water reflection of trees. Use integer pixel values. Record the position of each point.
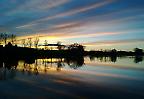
(104, 59)
(137, 59)
(75, 62)
(8, 68)
(51, 62)
(31, 66)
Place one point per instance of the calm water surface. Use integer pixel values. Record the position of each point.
(102, 77)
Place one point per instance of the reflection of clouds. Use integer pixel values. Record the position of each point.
(127, 67)
(87, 79)
(48, 87)
(102, 74)
(67, 81)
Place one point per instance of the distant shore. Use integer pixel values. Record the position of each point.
(25, 52)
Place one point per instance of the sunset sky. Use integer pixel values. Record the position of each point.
(98, 24)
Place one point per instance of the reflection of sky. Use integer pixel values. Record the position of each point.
(120, 63)
(114, 23)
(123, 67)
(89, 80)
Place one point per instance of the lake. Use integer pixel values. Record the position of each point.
(88, 78)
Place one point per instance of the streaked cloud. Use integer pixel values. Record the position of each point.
(78, 10)
(37, 5)
(70, 35)
(128, 44)
(69, 13)
(84, 21)
(114, 42)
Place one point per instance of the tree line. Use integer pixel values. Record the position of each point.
(34, 42)
(6, 38)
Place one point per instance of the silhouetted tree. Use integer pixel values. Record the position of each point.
(36, 41)
(12, 38)
(8, 45)
(76, 46)
(1, 37)
(113, 52)
(60, 47)
(76, 50)
(45, 44)
(23, 42)
(29, 43)
(138, 51)
(5, 38)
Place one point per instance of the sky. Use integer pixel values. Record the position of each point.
(97, 24)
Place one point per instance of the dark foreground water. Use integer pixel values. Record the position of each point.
(91, 78)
